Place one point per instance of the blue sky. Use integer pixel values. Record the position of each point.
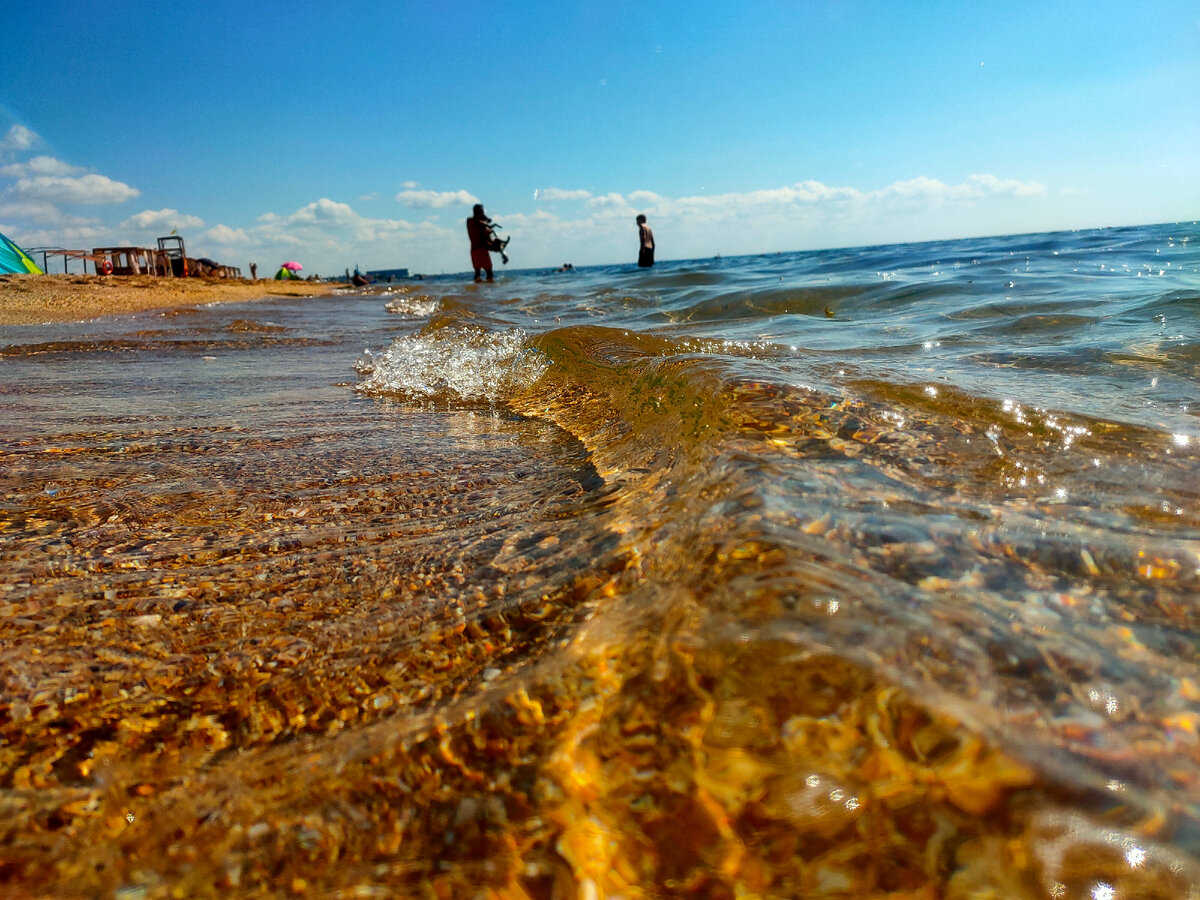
(269, 130)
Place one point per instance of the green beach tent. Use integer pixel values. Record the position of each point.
(14, 259)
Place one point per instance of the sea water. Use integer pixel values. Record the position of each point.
(811, 574)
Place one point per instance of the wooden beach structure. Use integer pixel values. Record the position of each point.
(130, 261)
(168, 259)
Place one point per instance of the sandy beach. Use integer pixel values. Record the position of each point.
(33, 299)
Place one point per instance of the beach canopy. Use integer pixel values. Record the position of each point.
(294, 266)
(14, 259)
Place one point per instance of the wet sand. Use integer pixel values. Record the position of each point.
(34, 299)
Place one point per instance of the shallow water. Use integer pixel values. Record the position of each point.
(850, 573)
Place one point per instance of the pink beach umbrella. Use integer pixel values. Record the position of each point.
(294, 266)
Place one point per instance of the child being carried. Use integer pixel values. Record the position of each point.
(495, 243)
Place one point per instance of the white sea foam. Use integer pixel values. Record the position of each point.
(463, 365)
(413, 307)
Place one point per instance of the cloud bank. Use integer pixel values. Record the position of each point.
(18, 138)
(30, 203)
(41, 165)
(161, 220)
(90, 189)
(557, 224)
(552, 194)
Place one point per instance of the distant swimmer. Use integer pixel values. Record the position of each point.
(645, 243)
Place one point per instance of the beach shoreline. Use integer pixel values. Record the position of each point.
(38, 299)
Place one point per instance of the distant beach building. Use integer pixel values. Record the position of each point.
(387, 274)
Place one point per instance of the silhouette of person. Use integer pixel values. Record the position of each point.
(254, 271)
(480, 232)
(645, 243)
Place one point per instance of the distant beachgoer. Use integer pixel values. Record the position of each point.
(254, 271)
(645, 243)
(479, 230)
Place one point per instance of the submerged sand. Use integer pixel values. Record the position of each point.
(34, 299)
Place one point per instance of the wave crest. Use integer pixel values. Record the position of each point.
(467, 365)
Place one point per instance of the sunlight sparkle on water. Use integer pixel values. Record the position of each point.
(1105, 699)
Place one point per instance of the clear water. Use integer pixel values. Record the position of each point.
(966, 471)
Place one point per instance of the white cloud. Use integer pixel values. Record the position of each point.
(644, 198)
(328, 236)
(537, 219)
(40, 165)
(77, 234)
(161, 220)
(409, 185)
(41, 213)
(560, 194)
(990, 184)
(19, 138)
(67, 189)
(323, 210)
(915, 187)
(974, 188)
(223, 234)
(609, 201)
(436, 199)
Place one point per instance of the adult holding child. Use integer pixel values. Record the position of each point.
(483, 241)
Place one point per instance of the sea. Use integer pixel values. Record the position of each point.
(866, 572)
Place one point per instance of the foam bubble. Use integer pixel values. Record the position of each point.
(413, 307)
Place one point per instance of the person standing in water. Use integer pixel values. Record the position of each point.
(480, 232)
(645, 243)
